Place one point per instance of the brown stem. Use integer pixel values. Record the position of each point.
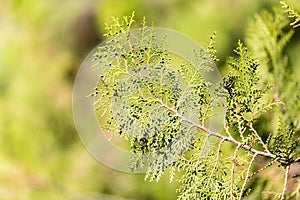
(285, 182)
(222, 137)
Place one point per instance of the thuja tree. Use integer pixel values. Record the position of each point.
(162, 105)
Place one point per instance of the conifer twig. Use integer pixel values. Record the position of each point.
(222, 137)
(259, 138)
(232, 171)
(247, 175)
(285, 182)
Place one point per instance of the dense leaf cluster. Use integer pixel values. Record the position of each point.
(160, 103)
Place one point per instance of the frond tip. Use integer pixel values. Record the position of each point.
(291, 14)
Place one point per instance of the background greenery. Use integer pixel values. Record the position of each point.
(41, 48)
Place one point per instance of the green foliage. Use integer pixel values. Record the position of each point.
(118, 26)
(284, 144)
(244, 91)
(291, 14)
(204, 178)
(160, 104)
(141, 93)
(40, 153)
(267, 36)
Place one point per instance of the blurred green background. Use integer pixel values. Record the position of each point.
(42, 44)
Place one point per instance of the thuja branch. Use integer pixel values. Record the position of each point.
(232, 171)
(229, 138)
(247, 175)
(149, 105)
(263, 168)
(259, 138)
(285, 182)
